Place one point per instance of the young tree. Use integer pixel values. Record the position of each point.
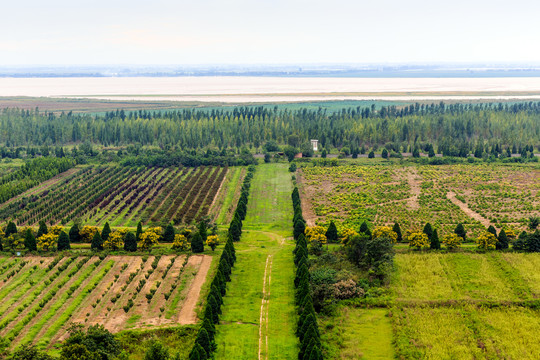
(74, 235)
(492, 230)
(63, 242)
(364, 228)
(428, 230)
(130, 242)
(397, 230)
(30, 241)
(384, 154)
(371, 155)
(435, 243)
(203, 230)
(139, 232)
(168, 235)
(97, 242)
(156, 351)
(11, 229)
(42, 229)
(197, 245)
(332, 233)
(105, 232)
(212, 241)
(460, 231)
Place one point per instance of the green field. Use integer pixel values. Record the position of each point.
(264, 270)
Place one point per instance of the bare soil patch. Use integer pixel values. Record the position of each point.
(414, 181)
(187, 313)
(452, 197)
(306, 194)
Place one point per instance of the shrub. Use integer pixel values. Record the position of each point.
(452, 241)
(419, 240)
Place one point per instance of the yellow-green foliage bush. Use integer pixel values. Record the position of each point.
(386, 232)
(486, 241)
(115, 240)
(149, 239)
(452, 241)
(346, 235)
(418, 240)
(180, 242)
(47, 242)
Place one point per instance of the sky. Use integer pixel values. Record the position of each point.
(179, 32)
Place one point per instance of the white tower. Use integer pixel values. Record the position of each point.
(314, 144)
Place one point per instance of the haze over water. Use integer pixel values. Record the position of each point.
(248, 89)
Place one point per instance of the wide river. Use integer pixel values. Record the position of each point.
(264, 89)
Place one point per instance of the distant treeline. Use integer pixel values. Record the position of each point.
(448, 127)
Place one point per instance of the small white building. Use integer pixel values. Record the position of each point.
(314, 143)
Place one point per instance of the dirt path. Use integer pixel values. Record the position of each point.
(307, 208)
(43, 186)
(471, 213)
(187, 312)
(265, 310)
(414, 181)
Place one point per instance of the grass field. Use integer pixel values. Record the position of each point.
(468, 276)
(466, 333)
(258, 314)
(445, 306)
(354, 333)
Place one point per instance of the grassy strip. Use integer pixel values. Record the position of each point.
(35, 274)
(37, 291)
(38, 307)
(233, 186)
(52, 329)
(17, 281)
(268, 220)
(52, 310)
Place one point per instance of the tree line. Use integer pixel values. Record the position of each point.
(450, 126)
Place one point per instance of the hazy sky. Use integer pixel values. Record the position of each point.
(269, 32)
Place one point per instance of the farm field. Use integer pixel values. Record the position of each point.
(42, 296)
(443, 306)
(259, 316)
(385, 192)
(122, 196)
